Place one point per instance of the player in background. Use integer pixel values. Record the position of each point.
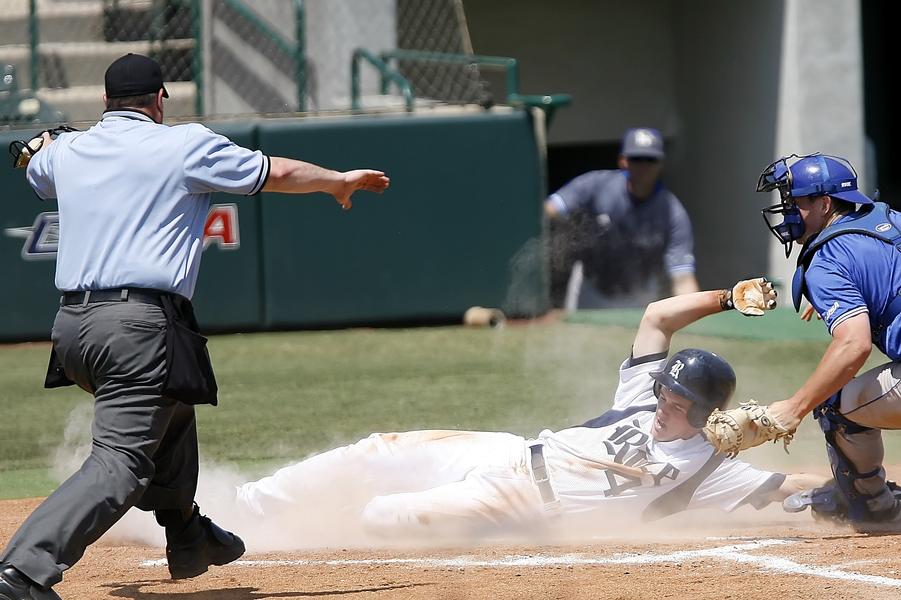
(849, 269)
(629, 235)
(642, 459)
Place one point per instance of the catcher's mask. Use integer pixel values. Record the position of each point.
(808, 175)
(700, 376)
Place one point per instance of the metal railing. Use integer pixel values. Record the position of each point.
(293, 49)
(165, 27)
(159, 30)
(386, 73)
(33, 40)
(197, 56)
(549, 103)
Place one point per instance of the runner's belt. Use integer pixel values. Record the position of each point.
(540, 475)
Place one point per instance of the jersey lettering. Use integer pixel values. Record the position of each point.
(667, 471)
(628, 446)
(619, 483)
(625, 436)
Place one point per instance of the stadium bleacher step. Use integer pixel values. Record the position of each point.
(71, 64)
(59, 21)
(84, 103)
(78, 39)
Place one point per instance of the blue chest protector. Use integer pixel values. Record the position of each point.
(873, 221)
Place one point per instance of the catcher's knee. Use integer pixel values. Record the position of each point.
(867, 495)
(831, 420)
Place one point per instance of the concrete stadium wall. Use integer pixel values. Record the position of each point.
(615, 58)
(733, 86)
(728, 77)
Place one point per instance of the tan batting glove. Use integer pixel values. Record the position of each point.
(750, 297)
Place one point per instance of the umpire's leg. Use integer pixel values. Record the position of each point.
(118, 350)
(175, 468)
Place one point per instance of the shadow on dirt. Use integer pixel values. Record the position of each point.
(133, 591)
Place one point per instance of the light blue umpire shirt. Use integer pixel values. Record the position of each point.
(133, 199)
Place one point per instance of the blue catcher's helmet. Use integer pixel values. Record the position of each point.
(700, 376)
(810, 175)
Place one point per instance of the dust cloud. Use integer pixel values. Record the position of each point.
(324, 510)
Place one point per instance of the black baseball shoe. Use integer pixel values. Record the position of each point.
(885, 521)
(14, 585)
(202, 543)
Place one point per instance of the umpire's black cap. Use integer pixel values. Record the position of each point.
(134, 75)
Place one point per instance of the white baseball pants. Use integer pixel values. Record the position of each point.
(447, 483)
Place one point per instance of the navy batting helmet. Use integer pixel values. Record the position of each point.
(700, 376)
(809, 175)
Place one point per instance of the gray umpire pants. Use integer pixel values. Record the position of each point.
(144, 450)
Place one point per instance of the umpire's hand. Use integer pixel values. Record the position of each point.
(361, 179)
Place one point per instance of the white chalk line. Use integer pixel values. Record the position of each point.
(732, 552)
(858, 563)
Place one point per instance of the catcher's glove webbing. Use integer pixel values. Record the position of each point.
(744, 427)
(23, 151)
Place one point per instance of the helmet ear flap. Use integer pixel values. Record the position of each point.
(697, 415)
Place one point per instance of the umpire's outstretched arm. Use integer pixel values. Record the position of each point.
(291, 176)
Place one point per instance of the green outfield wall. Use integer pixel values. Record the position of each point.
(460, 226)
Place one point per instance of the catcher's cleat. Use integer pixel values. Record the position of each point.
(822, 500)
(14, 585)
(826, 503)
(886, 521)
(201, 544)
(798, 502)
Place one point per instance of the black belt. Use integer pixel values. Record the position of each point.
(142, 295)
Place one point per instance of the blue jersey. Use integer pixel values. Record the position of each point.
(635, 240)
(852, 274)
(133, 198)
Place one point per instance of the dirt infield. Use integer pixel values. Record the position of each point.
(778, 556)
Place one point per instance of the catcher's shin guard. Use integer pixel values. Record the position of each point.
(879, 506)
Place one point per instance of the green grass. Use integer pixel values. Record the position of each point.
(285, 395)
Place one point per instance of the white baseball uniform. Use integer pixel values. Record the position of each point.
(463, 482)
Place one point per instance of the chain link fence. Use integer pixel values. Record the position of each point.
(222, 57)
(439, 26)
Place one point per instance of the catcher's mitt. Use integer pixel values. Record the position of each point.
(23, 151)
(744, 427)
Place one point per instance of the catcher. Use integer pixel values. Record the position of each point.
(642, 459)
(849, 269)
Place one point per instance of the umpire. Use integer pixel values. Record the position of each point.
(133, 198)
